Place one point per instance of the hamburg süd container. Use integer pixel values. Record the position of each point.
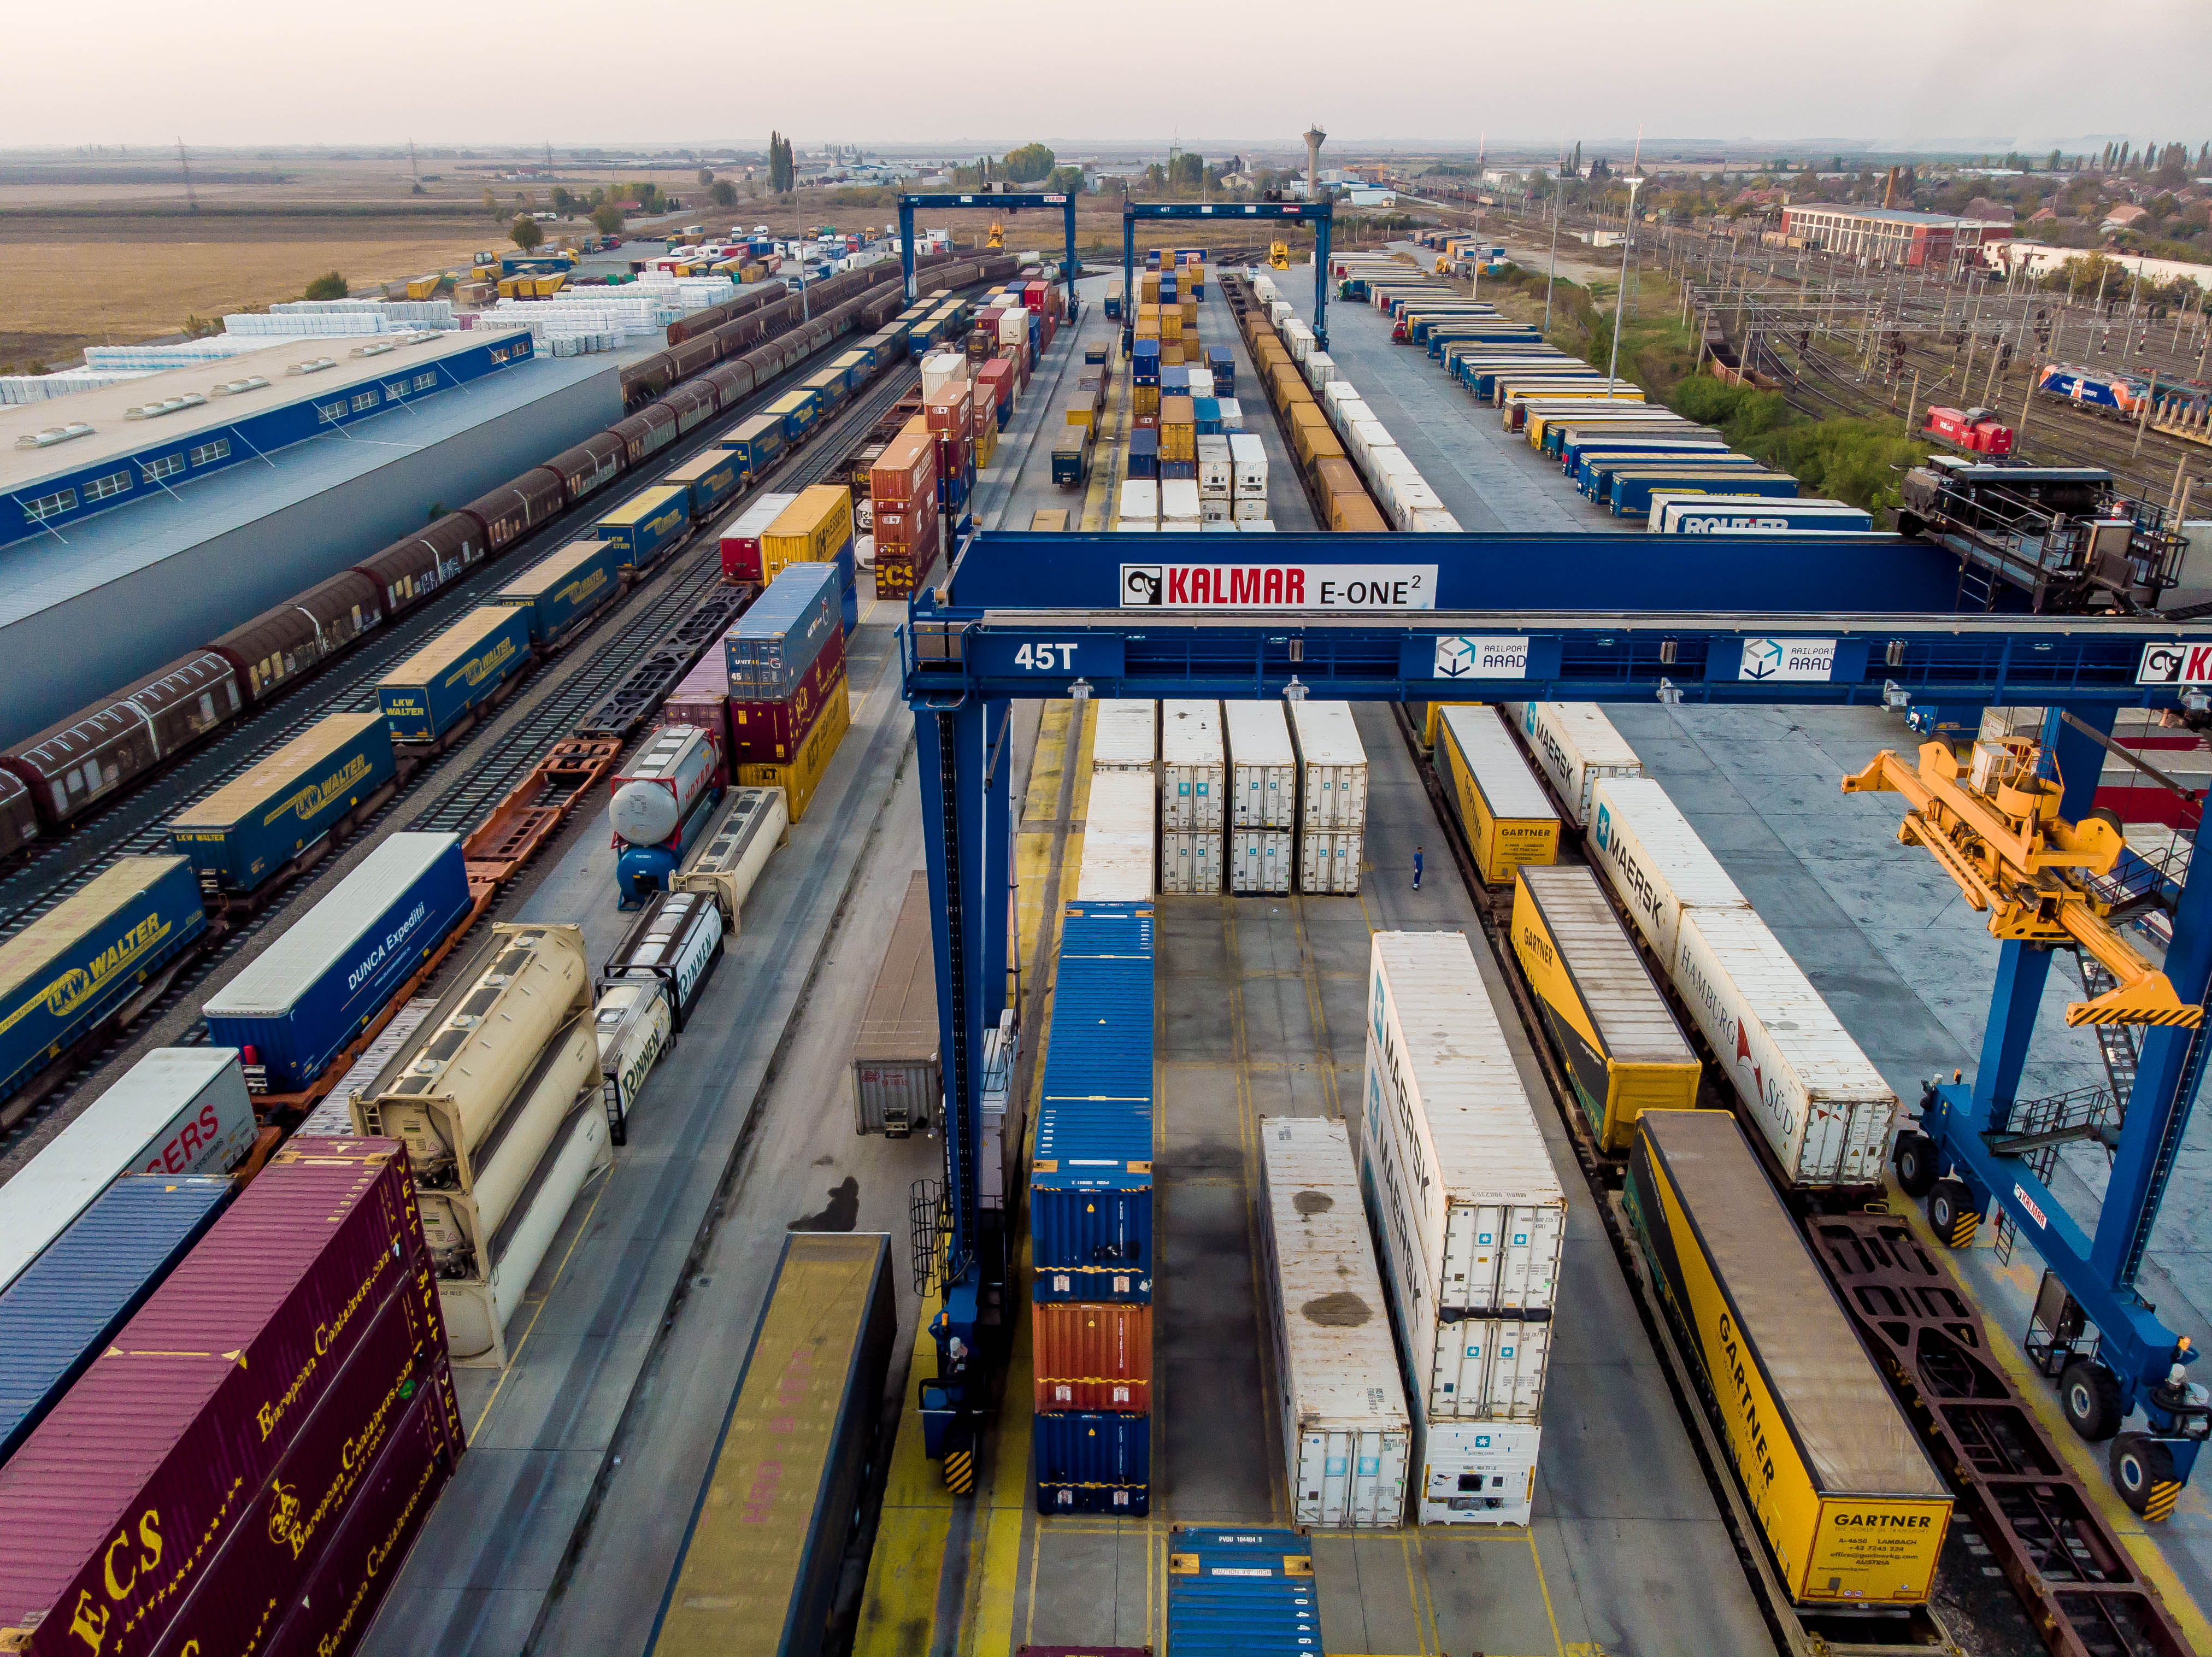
(730, 860)
(1092, 1462)
(1263, 783)
(677, 942)
(1822, 1107)
(1624, 1053)
(1124, 735)
(1241, 1589)
(1332, 766)
(1852, 1510)
(90, 954)
(1092, 1356)
(1193, 766)
(427, 695)
(1347, 1437)
(561, 589)
(301, 1001)
(179, 1111)
(67, 1305)
(157, 1442)
(741, 549)
(1654, 862)
(898, 1082)
(775, 643)
(1577, 745)
(1118, 862)
(1508, 818)
(245, 830)
(647, 525)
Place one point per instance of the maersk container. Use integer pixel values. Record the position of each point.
(427, 695)
(1124, 735)
(1118, 839)
(559, 591)
(1654, 862)
(1347, 1437)
(203, 1392)
(302, 1000)
(1508, 818)
(89, 954)
(245, 830)
(1193, 766)
(1262, 860)
(1263, 783)
(179, 1111)
(1093, 1462)
(1823, 1108)
(1577, 748)
(647, 525)
(67, 1305)
(1476, 1472)
(1242, 1591)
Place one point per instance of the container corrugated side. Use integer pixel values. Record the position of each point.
(70, 1302)
(1092, 1462)
(1193, 766)
(243, 832)
(1332, 766)
(427, 695)
(1577, 745)
(1824, 1109)
(1346, 1436)
(1263, 784)
(276, 1319)
(1508, 818)
(1654, 861)
(1092, 1356)
(1248, 1591)
(1118, 855)
(1125, 734)
(896, 1076)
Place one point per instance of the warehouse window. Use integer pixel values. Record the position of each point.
(425, 381)
(327, 412)
(396, 390)
(367, 399)
(51, 506)
(168, 466)
(208, 453)
(101, 487)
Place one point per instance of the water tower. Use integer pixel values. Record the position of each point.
(1315, 138)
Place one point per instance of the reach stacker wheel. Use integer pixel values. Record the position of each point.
(1917, 1166)
(2142, 1472)
(2089, 1395)
(1952, 1213)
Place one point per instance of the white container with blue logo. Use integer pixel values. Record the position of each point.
(297, 1004)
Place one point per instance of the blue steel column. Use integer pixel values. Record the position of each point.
(1128, 273)
(1067, 265)
(1320, 274)
(906, 246)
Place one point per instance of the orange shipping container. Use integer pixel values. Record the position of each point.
(951, 409)
(1092, 1357)
(812, 529)
(906, 470)
(1355, 515)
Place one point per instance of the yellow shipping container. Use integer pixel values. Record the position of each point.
(1148, 288)
(1171, 356)
(1148, 330)
(800, 778)
(1171, 324)
(811, 530)
(1053, 521)
(1508, 818)
(1145, 399)
(1189, 313)
(1079, 412)
(986, 445)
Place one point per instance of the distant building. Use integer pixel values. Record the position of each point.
(2126, 218)
(1892, 235)
(2040, 259)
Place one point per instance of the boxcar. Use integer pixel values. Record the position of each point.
(91, 754)
(513, 509)
(291, 637)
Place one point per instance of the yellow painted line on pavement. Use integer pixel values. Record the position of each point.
(898, 1609)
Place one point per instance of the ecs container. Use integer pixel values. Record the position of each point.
(1852, 1510)
(300, 1003)
(245, 830)
(1508, 818)
(1577, 746)
(898, 1082)
(1332, 766)
(1624, 1053)
(1654, 862)
(1124, 735)
(741, 549)
(1118, 838)
(430, 692)
(559, 591)
(1263, 781)
(1091, 1357)
(1193, 766)
(1347, 1437)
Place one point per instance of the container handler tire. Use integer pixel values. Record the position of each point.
(1918, 1169)
(2142, 1472)
(2089, 1397)
(1951, 1212)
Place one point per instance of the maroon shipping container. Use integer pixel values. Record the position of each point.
(769, 733)
(704, 699)
(118, 1502)
(249, 1587)
(364, 1557)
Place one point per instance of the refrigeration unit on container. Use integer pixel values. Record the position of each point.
(1654, 862)
(1852, 1510)
(1624, 1054)
(1193, 766)
(1124, 735)
(732, 857)
(677, 942)
(1477, 1473)
(1346, 1436)
(559, 591)
(1577, 745)
(1332, 766)
(897, 1080)
(1263, 783)
(430, 692)
(1245, 1590)
(659, 804)
(1118, 862)
(1508, 818)
(1092, 1356)
(300, 1002)
(245, 830)
(1823, 1108)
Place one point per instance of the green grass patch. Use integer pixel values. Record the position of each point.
(1861, 461)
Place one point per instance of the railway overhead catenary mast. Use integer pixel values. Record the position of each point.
(1319, 214)
(1568, 618)
(998, 200)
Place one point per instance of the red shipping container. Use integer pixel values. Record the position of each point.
(909, 526)
(985, 416)
(1093, 1357)
(253, 1582)
(952, 455)
(905, 471)
(769, 733)
(194, 1403)
(998, 376)
(950, 410)
(702, 699)
(1033, 295)
(364, 1556)
(741, 554)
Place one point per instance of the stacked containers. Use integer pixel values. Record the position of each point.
(1178, 437)
(1179, 510)
(237, 1479)
(1244, 1592)
(1139, 507)
(1216, 478)
(1577, 746)
(1118, 855)
(741, 541)
(1332, 796)
(902, 492)
(1472, 1219)
(1263, 795)
(817, 527)
(1090, 1218)
(701, 699)
(1347, 1437)
(1247, 461)
(950, 413)
(1192, 785)
(776, 655)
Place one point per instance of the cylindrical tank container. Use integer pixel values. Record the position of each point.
(444, 1092)
(728, 864)
(657, 790)
(677, 941)
(635, 1025)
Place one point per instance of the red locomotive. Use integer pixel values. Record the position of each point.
(1977, 431)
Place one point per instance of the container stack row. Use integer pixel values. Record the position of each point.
(1091, 1219)
(903, 512)
(788, 703)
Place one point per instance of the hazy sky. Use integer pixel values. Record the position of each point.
(1892, 72)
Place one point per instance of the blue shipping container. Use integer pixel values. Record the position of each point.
(797, 410)
(1594, 470)
(243, 832)
(758, 441)
(95, 950)
(306, 996)
(427, 695)
(712, 477)
(1174, 381)
(1632, 490)
(1144, 459)
(830, 387)
(1242, 1592)
(561, 589)
(775, 643)
(848, 609)
(647, 524)
(68, 1304)
(1093, 1464)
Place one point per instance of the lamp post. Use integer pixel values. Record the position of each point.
(1559, 199)
(1620, 299)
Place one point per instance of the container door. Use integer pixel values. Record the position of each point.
(1352, 795)
(1521, 1355)
(1207, 861)
(1529, 1264)
(1382, 1470)
(1870, 1123)
(1459, 1373)
(1470, 1263)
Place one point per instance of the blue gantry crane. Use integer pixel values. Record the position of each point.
(1319, 214)
(996, 200)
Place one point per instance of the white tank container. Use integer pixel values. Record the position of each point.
(1654, 861)
(1118, 839)
(1576, 747)
(1476, 1472)
(1263, 784)
(1328, 861)
(1260, 860)
(1194, 766)
(1191, 861)
(730, 860)
(656, 791)
(1824, 1109)
(1347, 1438)
(1124, 735)
(633, 1024)
(1332, 766)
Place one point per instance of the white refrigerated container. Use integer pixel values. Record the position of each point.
(1247, 458)
(1191, 860)
(1194, 766)
(1328, 861)
(1179, 502)
(1263, 783)
(1216, 470)
(1123, 734)
(1332, 766)
(1118, 839)
(1347, 1439)
(1654, 861)
(1139, 504)
(1476, 1472)
(1260, 860)
(1577, 748)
